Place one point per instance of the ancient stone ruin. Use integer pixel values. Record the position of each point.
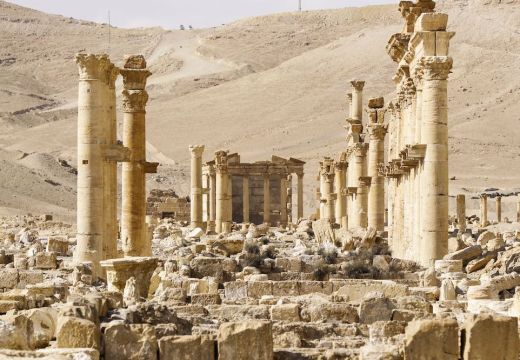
(380, 269)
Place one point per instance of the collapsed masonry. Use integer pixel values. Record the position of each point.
(352, 188)
(99, 151)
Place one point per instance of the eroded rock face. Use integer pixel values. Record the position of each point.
(73, 332)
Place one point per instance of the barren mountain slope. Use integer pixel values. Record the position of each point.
(267, 85)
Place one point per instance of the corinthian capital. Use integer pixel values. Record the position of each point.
(112, 74)
(436, 67)
(377, 132)
(196, 150)
(92, 66)
(134, 100)
(357, 84)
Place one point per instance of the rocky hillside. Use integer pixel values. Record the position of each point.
(260, 86)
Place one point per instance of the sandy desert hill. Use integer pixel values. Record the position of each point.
(260, 86)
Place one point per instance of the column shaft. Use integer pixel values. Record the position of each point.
(283, 200)
(300, 196)
(461, 212)
(483, 210)
(498, 200)
(434, 180)
(267, 200)
(245, 201)
(340, 184)
(196, 186)
(376, 195)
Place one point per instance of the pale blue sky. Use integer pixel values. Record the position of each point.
(171, 13)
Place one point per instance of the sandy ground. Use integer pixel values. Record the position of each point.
(259, 86)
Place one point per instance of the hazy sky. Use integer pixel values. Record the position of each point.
(172, 13)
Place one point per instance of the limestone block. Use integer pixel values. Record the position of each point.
(196, 233)
(357, 289)
(375, 307)
(380, 331)
(51, 354)
(9, 278)
(431, 293)
(285, 312)
(480, 263)
(130, 342)
(447, 266)
(285, 288)
(485, 237)
(238, 312)
(29, 277)
(73, 332)
(16, 332)
(45, 321)
(379, 352)
(205, 299)
(252, 340)
(189, 347)
(313, 287)
(376, 103)
(226, 247)
(331, 312)
(235, 290)
(120, 270)
(58, 246)
(257, 289)
(8, 305)
(323, 231)
(431, 22)
(466, 254)
(45, 260)
(491, 336)
(432, 339)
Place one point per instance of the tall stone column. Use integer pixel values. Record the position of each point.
(340, 185)
(245, 196)
(498, 203)
(110, 171)
(357, 99)
(434, 179)
(221, 198)
(376, 194)
(350, 109)
(267, 200)
(360, 199)
(289, 205)
(327, 189)
(300, 196)
(196, 186)
(283, 200)
(212, 200)
(91, 164)
(461, 212)
(135, 97)
(483, 210)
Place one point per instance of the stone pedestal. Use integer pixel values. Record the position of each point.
(434, 179)
(120, 270)
(196, 186)
(135, 97)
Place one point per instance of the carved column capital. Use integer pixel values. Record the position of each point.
(377, 132)
(134, 100)
(196, 150)
(358, 85)
(92, 66)
(436, 67)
